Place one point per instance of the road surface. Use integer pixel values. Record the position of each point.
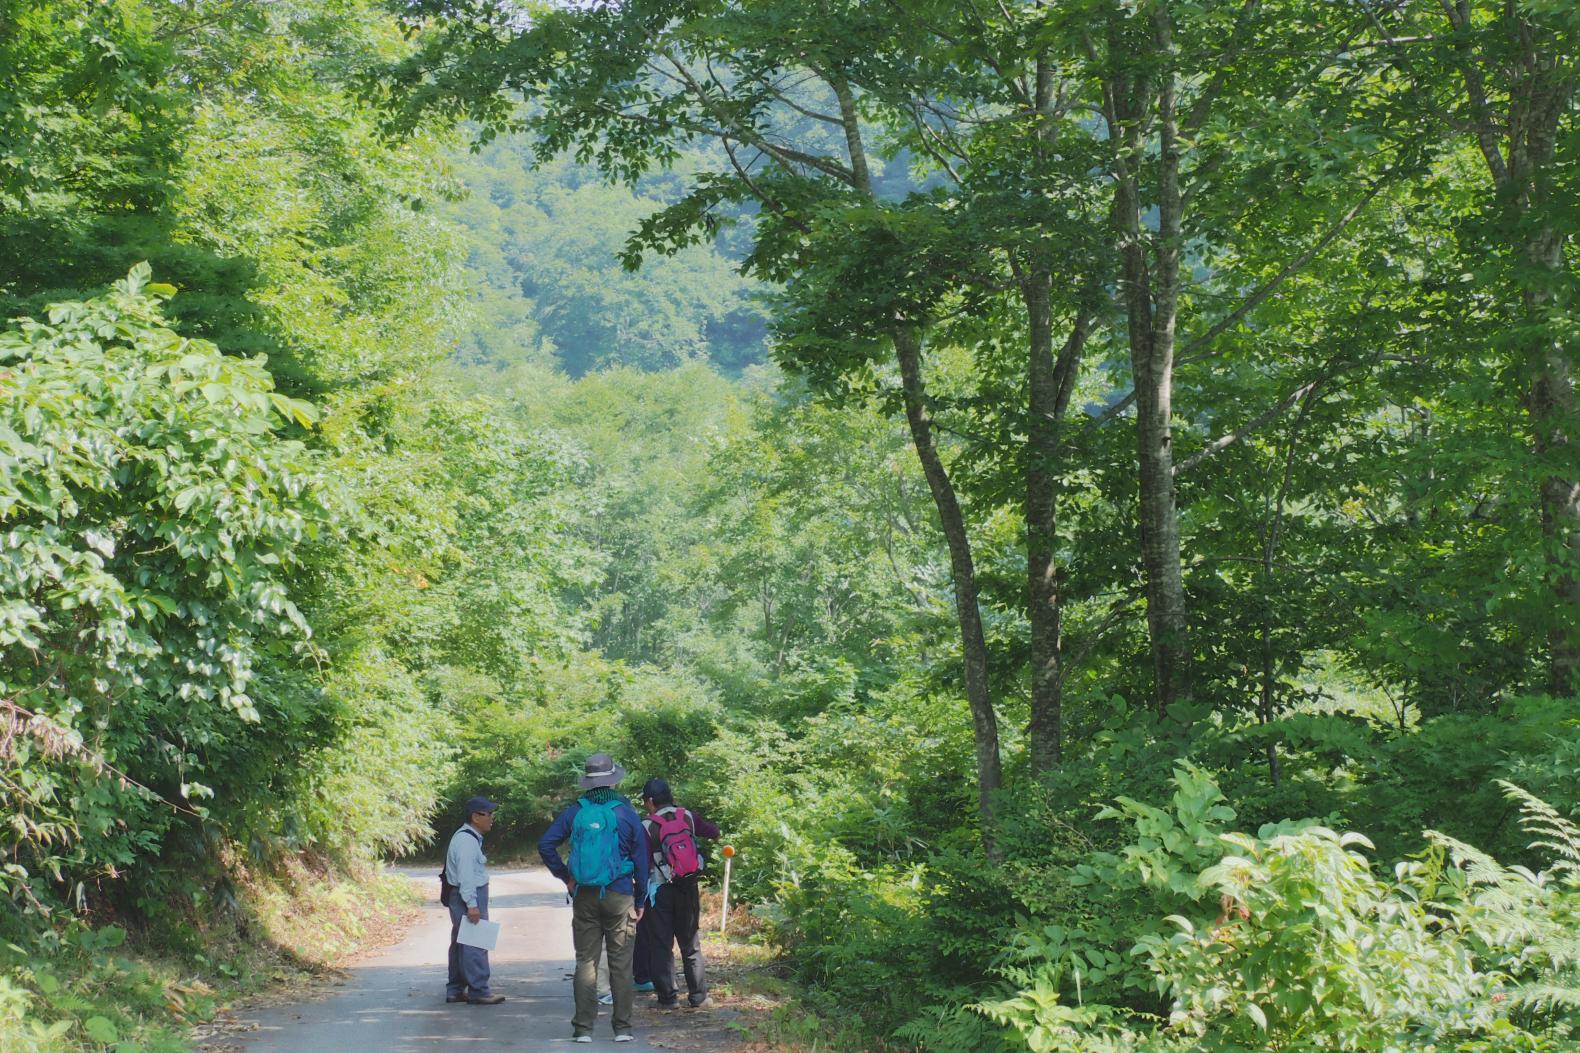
(393, 1001)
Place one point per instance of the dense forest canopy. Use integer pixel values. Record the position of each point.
(543, 245)
(1083, 492)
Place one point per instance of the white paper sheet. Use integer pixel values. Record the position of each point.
(484, 934)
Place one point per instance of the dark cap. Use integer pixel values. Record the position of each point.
(657, 790)
(481, 804)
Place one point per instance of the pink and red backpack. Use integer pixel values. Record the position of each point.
(678, 843)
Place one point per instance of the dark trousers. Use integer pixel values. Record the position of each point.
(677, 918)
(468, 965)
(642, 962)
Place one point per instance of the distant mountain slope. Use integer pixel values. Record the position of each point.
(550, 290)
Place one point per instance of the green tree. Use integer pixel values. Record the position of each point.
(636, 87)
(1498, 80)
(154, 513)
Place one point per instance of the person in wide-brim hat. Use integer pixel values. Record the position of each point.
(606, 871)
(601, 770)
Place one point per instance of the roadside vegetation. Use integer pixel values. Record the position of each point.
(1083, 495)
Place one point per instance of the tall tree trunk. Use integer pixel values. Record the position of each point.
(1161, 536)
(1540, 94)
(1044, 414)
(1051, 381)
(1540, 97)
(968, 611)
(973, 642)
(1552, 409)
(1151, 304)
(1045, 730)
(1520, 149)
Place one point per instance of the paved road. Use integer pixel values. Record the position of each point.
(394, 1001)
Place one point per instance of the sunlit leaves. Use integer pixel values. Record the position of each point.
(153, 511)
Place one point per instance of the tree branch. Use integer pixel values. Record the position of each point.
(1223, 442)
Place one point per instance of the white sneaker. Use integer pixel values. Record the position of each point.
(607, 998)
(583, 1038)
(625, 1036)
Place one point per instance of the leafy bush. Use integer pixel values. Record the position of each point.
(151, 514)
(1287, 939)
(873, 881)
(80, 989)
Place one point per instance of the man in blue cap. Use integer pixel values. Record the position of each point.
(466, 878)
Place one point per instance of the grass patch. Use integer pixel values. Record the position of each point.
(314, 922)
(760, 1009)
(78, 989)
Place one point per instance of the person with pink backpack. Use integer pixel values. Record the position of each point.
(676, 913)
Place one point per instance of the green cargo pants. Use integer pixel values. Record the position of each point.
(601, 918)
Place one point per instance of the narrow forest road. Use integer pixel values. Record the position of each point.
(393, 1002)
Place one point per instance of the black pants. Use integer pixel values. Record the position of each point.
(677, 918)
(643, 959)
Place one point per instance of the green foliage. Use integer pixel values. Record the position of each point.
(92, 134)
(233, 612)
(81, 990)
(547, 283)
(647, 440)
(153, 516)
(299, 606)
(527, 752)
(1311, 949)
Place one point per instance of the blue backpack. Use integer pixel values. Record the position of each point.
(595, 845)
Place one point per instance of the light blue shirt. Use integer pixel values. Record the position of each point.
(465, 865)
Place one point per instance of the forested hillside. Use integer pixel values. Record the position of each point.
(1082, 493)
(543, 248)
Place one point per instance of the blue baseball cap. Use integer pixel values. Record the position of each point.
(481, 804)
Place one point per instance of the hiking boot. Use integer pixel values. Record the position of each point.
(486, 1000)
(698, 1001)
(673, 1003)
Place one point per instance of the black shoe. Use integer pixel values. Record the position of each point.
(454, 998)
(486, 1000)
(675, 1004)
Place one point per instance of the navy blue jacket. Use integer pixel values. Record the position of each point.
(633, 846)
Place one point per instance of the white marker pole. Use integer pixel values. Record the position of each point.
(724, 915)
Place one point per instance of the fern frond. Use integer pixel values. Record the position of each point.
(1552, 829)
(1480, 869)
(1547, 995)
(1507, 908)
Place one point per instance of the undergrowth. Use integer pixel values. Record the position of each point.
(74, 988)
